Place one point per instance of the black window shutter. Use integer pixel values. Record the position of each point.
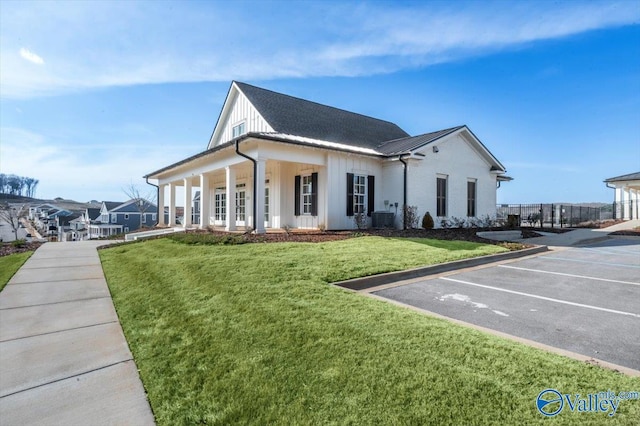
(297, 197)
(371, 187)
(314, 194)
(349, 194)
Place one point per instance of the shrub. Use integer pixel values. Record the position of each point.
(411, 217)
(360, 220)
(458, 222)
(445, 223)
(427, 221)
(18, 243)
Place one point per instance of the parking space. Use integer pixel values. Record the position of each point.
(585, 300)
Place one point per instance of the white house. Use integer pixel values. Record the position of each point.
(626, 196)
(296, 163)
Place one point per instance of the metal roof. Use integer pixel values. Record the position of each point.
(630, 176)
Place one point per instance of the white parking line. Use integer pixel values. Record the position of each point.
(566, 302)
(623, 265)
(612, 251)
(568, 275)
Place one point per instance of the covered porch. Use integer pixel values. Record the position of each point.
(271, 186)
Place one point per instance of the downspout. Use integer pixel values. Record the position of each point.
(404, 194)
(157, 198)
(255, 181)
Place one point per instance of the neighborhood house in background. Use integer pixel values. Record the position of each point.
(97, 220)
(296, 163)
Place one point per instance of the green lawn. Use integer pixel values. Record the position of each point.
(252, 334)
(9, 265)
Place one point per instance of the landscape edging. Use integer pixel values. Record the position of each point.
(363, 283)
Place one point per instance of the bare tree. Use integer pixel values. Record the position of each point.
(144, 201)
(12, 215)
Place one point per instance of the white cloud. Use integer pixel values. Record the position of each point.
(80, 173)
(127, 43)
(31, 57)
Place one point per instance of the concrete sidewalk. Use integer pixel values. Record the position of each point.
(63, 356)
(579, 236)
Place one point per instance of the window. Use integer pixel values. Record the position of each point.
(126, 216)
(220, 212)
(441, 196)
(266, 203)
(360, 194)
(114, 217)
(241, 207)
(306, 195)
(471, 198)
(126, 229)
(144, 218)
(237, 130)
(154, 216)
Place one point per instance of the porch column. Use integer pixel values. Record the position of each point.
(188, 206)
(160, 214)
(258, 215)
(626, 203)
(172, 204)
(230, 219)
(204, 201)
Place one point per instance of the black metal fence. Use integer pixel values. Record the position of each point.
(547, 215)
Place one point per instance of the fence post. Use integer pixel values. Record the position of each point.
(553, 215)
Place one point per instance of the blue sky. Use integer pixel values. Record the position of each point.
(93, 95)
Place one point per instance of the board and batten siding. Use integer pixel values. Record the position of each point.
(338, 165)
(241, 111)
(459, 162)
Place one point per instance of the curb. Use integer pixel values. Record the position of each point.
(391, 277)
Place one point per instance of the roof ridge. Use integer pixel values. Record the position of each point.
(318, 103)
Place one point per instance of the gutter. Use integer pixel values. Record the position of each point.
(157, 198)
(404, 192)
(255, 181)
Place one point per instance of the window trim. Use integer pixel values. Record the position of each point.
(369, 193)
(312, 195)
(441, 199)
(472, 199)
(242, 129)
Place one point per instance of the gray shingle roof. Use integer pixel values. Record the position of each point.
(399, 146)
(295, 116)
(630, 176)
(112, 204)
(93, 213)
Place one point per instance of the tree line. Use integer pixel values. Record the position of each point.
(18, 185)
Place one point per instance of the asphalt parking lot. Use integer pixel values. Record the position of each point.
(583, 299)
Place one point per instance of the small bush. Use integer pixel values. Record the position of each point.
(445, 223)
(360, 220)
(458, 222)
(427, 221)
(18, 243)
(411, 217)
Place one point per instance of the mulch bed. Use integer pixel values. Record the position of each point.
(7, 248)
(459, 234)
